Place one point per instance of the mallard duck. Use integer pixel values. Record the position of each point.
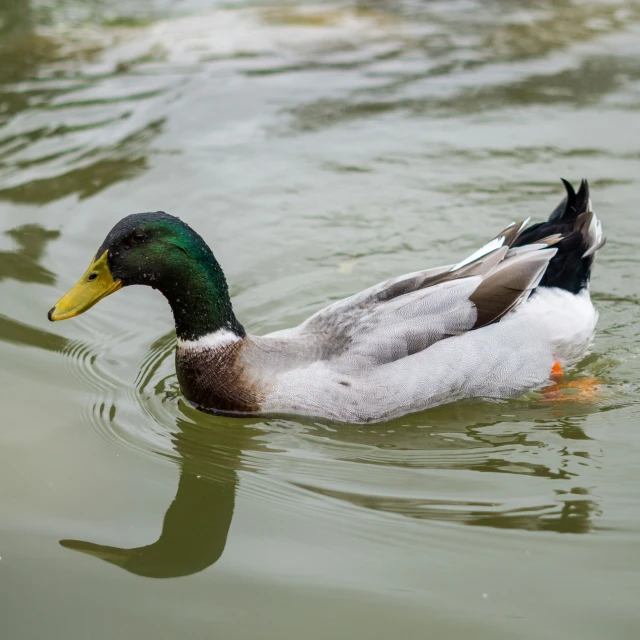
(497, 324)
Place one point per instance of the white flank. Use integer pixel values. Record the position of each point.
(214, 340)
(570, 319)
(496, 243)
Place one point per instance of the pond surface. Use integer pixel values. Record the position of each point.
(319, 148)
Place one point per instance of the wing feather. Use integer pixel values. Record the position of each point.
(408, 314)
(509, 284)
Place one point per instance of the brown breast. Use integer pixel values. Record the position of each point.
(215, 379)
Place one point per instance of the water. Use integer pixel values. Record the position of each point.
(319, 148)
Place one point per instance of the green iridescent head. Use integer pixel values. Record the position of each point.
(161, 251)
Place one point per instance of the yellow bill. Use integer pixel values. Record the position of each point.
(96, 283)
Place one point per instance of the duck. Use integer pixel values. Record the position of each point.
(507, 319)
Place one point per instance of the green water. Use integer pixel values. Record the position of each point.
(319, 148)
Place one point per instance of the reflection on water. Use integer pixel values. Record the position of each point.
(23, 264)
(521, 439)
(21, 51)
(196, 524)
(421, 89)
(42, 161)
(100, 168)
(414, 58)
(20, 333)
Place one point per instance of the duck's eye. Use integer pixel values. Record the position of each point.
(92, 276)
(138, 237)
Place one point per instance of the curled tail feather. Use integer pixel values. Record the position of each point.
(580, 234)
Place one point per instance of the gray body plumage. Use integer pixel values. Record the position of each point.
(423, 339)
(501, 360)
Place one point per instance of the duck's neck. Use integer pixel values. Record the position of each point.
(199, 297)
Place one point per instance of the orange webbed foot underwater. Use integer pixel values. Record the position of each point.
(583, 390)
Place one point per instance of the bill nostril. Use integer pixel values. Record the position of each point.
(51, 312)
(92, 276)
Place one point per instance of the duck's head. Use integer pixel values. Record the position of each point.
(161, 251)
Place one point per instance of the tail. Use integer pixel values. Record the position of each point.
(580, 235)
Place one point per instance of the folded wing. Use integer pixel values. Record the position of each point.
(405, 315)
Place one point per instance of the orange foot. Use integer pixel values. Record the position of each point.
(556, 370)
(584, 390)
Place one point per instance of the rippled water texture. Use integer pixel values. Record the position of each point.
(319, 148)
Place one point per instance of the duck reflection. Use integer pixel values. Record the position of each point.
(196, 524)
(479, 437)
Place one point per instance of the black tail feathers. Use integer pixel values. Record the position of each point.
(581, 233)
(573, 204)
